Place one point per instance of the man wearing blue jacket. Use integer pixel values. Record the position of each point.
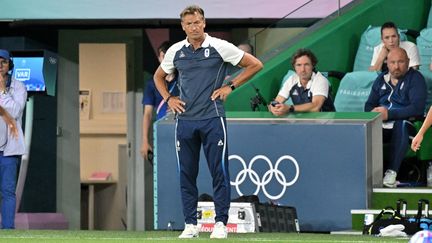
(399, 95)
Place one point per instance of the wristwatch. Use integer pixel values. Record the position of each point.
(231, 85)
(291, 109)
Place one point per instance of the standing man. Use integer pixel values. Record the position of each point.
(154, 103)
(154, 109)
(399, 95)
(390, 39)
(13, 97)
(308, 89)
(201, 61)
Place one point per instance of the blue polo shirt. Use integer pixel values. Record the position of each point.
(153, 98)
(201, 71)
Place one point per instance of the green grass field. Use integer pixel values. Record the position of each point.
(59, 236)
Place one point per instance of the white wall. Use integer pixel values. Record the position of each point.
(103, 72)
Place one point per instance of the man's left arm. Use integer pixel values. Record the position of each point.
(313, 106)
(417, 94)
(320, 91)
(251, 65)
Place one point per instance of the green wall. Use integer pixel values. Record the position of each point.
(335, 41)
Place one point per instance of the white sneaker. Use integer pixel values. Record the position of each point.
(190, 231)
(219, 231)
(390, 178)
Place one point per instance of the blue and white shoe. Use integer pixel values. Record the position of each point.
(219, 231)
(390, 178)
(190, 231)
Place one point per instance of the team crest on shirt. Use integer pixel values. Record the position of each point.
(207, 52)
(182, 54)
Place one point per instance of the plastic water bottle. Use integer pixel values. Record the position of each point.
(368, 219)
(429, 175)
(170, 226)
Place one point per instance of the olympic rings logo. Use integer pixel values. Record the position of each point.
(261, 183)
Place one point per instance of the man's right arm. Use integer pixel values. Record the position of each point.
(373, 99)
(146, 131)
(159, 79)
(174, 102)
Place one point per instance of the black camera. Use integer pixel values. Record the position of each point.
(257, 99)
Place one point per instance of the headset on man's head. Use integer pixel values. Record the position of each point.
(10, 70)
(11, 67)
(11, 63)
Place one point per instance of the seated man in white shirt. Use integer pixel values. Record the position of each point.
(391, 39)
(309, 90)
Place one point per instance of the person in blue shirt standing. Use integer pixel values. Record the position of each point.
(154, 109)
(201, 61)
(399, 94)
(154, 104)
(13, 97)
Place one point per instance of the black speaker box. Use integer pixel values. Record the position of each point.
(276, 218)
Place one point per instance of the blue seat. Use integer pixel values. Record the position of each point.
(354, 90)
(424, 45)
(284, 79)
(429, 22)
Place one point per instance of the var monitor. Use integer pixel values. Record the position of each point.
(29, 71)
(36, 69)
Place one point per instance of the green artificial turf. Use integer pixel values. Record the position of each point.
(60, 236)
